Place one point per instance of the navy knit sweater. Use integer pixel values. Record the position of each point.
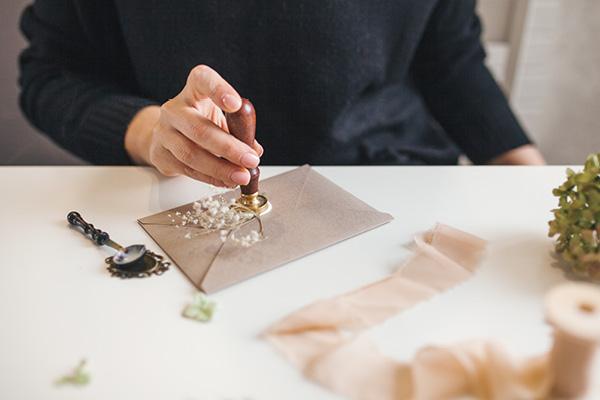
(333, 81)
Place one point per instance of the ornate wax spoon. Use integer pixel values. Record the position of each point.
(133, 261)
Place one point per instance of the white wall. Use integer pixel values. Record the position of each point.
(569, 126)
(554, 82)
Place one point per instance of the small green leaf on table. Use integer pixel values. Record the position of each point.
(200, 309)
(78, 377)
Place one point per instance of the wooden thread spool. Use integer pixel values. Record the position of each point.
(242, 125)
(573, 309)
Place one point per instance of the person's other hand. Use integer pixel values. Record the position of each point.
(188, 134)
(523, 155)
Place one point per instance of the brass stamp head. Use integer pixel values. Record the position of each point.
(257, 203)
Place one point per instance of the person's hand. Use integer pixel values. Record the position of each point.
(523, 155)
(188, 134)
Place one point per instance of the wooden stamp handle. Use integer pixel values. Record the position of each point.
(242, 125)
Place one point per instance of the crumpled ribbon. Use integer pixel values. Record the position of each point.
(323, 339)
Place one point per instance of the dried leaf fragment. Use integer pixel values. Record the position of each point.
(78, 377)
(200, 309)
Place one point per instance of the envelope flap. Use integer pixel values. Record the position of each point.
(191, 252)
(321, 215)
(194, 257)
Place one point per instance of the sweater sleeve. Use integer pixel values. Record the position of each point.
(458, 88)
(76, 84)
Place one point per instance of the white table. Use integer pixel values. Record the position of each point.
(58, 304)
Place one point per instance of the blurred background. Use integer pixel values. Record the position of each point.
(544, 53)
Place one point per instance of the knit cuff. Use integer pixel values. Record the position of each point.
(102, 131)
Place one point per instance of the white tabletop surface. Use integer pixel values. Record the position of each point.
(59, 305)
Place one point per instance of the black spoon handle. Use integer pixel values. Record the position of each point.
(96, 235)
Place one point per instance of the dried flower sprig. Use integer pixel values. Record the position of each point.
(200, 309)
(78, 377)
(577, 220)
(215, 214)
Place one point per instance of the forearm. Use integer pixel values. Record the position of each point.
(524, 155)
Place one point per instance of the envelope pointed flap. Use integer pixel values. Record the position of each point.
(321, 215)
(235, 263)
(194, 256)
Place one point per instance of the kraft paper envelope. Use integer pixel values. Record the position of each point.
(309, 213)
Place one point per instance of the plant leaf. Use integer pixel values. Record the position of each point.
(78, 377)
(200, 309)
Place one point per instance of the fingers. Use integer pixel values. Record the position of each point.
(201, 161)
(191, 137)
(209, 136)
(258, 149)
(204, 82)
(168, 165)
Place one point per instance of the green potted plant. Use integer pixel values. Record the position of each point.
(577, 220)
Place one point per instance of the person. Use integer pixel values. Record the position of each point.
(345, 83)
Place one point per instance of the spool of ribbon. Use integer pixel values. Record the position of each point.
(574, 312)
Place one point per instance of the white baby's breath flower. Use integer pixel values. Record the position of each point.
(217, 214)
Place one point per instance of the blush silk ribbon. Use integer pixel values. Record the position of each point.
(323, 339)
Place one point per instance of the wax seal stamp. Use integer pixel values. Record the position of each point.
(133, 261)
(242, 125)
